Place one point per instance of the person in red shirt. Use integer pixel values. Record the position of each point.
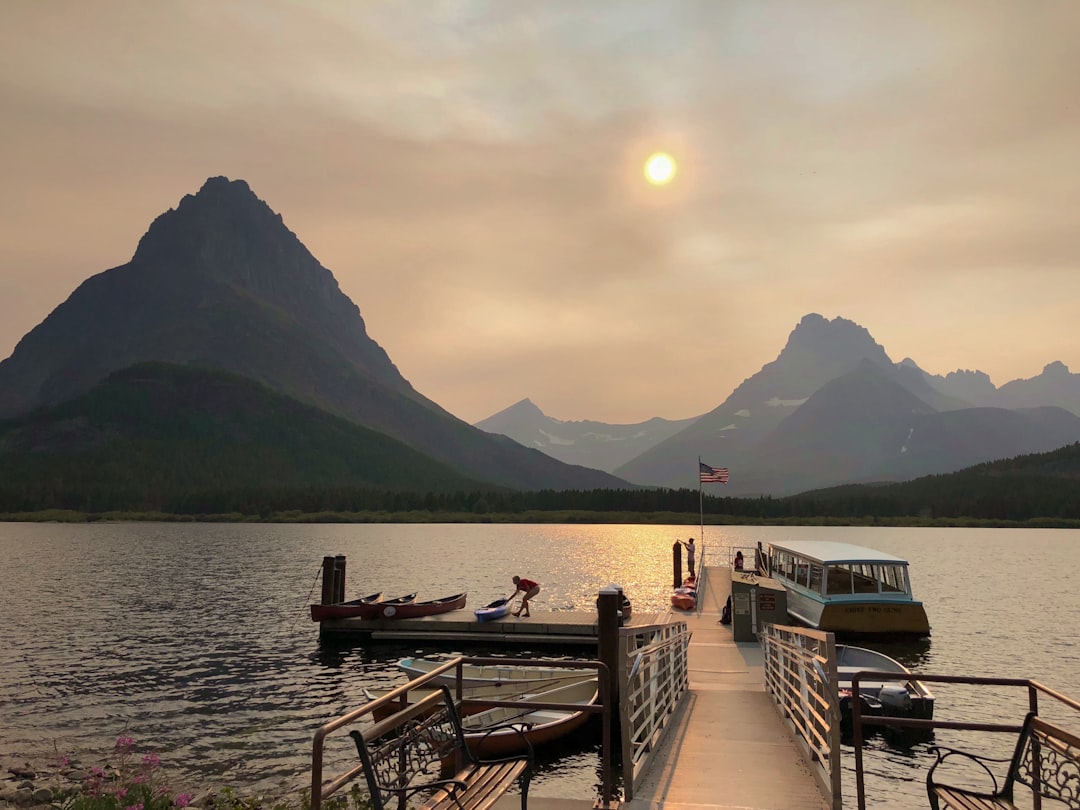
(527, 587)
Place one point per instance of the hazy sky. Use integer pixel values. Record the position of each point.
(471, 174)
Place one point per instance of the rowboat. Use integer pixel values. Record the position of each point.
(491, 675)
(504, 730)
(412, 610)
(685, 597)
(476, 695)
(887, 698)
(493, 610)
(345, 609)
(846, 589)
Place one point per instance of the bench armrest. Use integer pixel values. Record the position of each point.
(517, 728)
(943, 753)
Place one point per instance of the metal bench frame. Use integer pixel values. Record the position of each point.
(1046, 759)
(421, 749)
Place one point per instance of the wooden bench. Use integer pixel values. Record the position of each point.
(1046, 759)
(421, 751)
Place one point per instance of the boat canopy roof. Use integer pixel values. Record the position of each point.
(830, 552)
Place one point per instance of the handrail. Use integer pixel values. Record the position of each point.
(654, 678)
(801, 677)
(857, 720)
(320, 791)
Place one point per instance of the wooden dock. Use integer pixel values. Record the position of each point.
(726, 747)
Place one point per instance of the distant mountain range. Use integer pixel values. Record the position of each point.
(590, 444)
(832, 408)
(221, 283)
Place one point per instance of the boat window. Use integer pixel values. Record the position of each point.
(815, 577)
(802, 573)
(864, 578)
(893, 579)
(838, 579)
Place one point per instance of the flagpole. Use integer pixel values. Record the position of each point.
(701, 504)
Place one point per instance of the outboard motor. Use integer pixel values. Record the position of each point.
(895, 699)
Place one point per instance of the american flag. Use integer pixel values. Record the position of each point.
(713, 475)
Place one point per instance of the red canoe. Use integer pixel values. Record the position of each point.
(366, 607)
(413, 610)
(685, 598)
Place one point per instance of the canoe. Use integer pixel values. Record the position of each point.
(413, 610)
(367, 607)
(493, 610)
(489, 675)
(685, 598)
(477, 695)
(342, 609)
(539, 726)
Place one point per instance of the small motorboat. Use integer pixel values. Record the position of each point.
(494, 610)
(343, 610)
(503, 730)
(490, 675)
(887, 698)
(414, 609)
(685, 597)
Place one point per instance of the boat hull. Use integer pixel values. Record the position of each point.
(539, 727)
(859, 618)
(495, 610)
(414, 610)
(343, 610)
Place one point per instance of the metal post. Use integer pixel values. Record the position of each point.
(339, 577)
(328, 580)
(608, 603)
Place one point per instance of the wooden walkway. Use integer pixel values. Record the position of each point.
(727, 748)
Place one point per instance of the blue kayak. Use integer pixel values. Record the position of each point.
(495, 610)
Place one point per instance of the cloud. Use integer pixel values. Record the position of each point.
(470, 172)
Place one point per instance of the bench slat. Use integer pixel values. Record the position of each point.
(486, 784)
(958, 800)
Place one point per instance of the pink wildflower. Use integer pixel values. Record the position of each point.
(125, 743)
(138, 778)
(120, 792)
(136, 806)
(151, 760)
(183, 799)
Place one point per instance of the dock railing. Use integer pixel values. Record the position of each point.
(801, 677)
(654, 677)
(858, 720)
(322, 790)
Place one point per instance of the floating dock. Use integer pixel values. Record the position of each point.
(569, 628)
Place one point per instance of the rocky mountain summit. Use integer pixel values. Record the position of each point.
(219, 282)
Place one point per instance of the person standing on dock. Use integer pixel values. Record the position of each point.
(527, 587)
(690, 557)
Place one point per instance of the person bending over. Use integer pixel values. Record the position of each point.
(527, 587)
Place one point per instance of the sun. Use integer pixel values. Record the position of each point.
(660, 168)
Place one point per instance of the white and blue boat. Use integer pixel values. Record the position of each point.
(847, 589)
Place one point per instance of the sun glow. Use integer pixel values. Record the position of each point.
(660, 168)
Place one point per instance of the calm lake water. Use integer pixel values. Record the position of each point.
(195, 639)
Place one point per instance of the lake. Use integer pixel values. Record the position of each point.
(195, 638)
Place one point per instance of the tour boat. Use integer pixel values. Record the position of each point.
(847, 589)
